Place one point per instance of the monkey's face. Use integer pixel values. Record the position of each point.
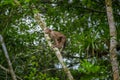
(47, 31)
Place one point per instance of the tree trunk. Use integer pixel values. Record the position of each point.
(113, 42)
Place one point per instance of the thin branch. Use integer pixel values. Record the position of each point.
(50, 69)
(7, 57)
(3, 68)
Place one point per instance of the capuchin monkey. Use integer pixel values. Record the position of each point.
(58, 38)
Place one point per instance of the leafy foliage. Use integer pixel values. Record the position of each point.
(91, 71)
(83, 22)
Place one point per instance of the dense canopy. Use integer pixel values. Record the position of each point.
(85, 24)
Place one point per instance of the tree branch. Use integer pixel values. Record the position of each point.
(56, 50)
(7, 57)
(42, 24)
(3, 68)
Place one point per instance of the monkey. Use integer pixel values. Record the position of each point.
(58, 38)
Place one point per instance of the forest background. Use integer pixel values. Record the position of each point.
(85, 24)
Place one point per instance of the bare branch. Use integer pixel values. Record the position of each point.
(7, 57)
(3, 68)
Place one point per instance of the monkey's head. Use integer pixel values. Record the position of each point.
(47, 31)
